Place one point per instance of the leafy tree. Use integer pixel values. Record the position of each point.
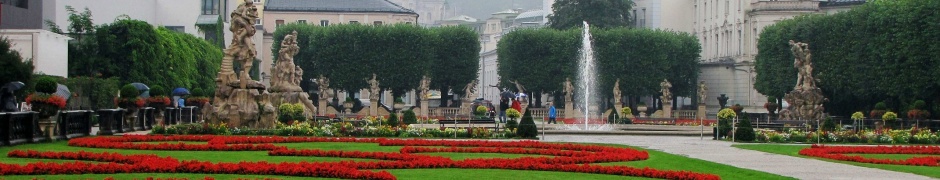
(879, 51)
(455, 59)
(539, 59)
(598, 13)
(393, 119)
(14, 68)
(409, 117)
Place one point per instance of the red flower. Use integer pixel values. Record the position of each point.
(47, 99)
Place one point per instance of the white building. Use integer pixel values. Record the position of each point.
(48, 51)
(430, 12)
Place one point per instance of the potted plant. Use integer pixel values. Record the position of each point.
(858, 116)
(43, 100)
(512, 114)
(737, 108)
(348, 104)
(399, 103)
(918, 111)
(641, 106)
(771, 105)
(880, 109)
(889, 118)
(626, 114)
(480, 112)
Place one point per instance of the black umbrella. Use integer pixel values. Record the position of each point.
(144, 90)
(507, 94)
(180, 92)
(63, 91)
(13, 86)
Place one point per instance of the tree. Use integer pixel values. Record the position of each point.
(14, 68)
(455, 59)
(527, 128)
(539, 59)
(598, 13)
(879, 51)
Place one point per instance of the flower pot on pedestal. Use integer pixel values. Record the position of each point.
(642, 109)
(46, 121)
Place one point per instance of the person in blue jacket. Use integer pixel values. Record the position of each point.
(551, 113)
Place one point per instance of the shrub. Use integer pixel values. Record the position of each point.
(288, 112)
(129, 92)
(527, 127)
(881, 106)
(512, 113)
(512, 124)
(157, 90)
(46, 85)
(480, 111)
(744, 132)
(199, 92)
(409, 117)
(393, 119)
(724, 121)
(829, 125)
(920, 104)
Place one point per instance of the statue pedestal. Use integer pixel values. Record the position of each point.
(48, 126)
(569, 110)
(322, 107)
(701, 111)
(424, 108)
(667, 111)
(374, 107)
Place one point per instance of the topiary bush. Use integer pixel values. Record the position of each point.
(409, 117)
(157, 90)
(393, 119)
(512, 125)
(129, 92)
(744, 132)
(198, 92)
(725, 116)
(46, 85)
(527, 127)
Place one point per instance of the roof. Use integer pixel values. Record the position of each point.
(207, 19)
(335, 6)
(461, 18)
(536, 13)
(841, 2)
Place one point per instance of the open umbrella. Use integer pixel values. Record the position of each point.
(507, 95)
(63, 91)
(180, 92)
(144, 90)
(13, 86)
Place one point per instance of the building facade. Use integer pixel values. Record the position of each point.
(21, 14)
(430, 12)
(47, 51)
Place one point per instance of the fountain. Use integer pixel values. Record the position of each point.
(587, 88)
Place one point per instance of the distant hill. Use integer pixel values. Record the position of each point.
(482, 9)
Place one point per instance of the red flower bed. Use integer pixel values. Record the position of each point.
(838, 153)
(562, 157)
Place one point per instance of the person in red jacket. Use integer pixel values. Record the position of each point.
(516, 105)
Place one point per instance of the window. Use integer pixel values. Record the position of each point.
(302, 21)
(210, 7)
(257, 21)
(278, 23)
(377, 23)
(17, 3)
(211, 36)
(324, 23)
(353, 22)
(181, 29)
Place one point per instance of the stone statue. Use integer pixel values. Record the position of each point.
(242, 47)
(325, 92)
(667, 97)
(298, 75)
(702, 92)
(519, 87)
(287, 76)
(424, 86)
(569, 89)
(617, 91)
(374, 89)
(806, 99)
(470, 89)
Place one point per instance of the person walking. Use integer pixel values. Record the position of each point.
(551, 113)
(503, 106)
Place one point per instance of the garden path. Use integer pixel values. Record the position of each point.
(722, 152)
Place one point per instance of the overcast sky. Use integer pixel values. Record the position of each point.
(481, 9)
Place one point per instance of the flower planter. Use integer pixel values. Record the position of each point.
(399, 106)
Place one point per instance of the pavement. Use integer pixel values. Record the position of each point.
(722, 152)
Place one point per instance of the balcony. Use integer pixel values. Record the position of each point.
(784, 5)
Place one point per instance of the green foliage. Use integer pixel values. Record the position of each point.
(512, 124)
(14, 68)
(409, 117)
(829, 125)
(881, 106)
(129, 92)
(599, 13)
(157, 90)
(920, 104)
(882, 50)
(541, 59)
(480, 111)
(198, 92)
(46, 85)
(393, 119)
(512, 113)
(527, 128)
(348, 53)
(725, 116)
(95, 93)
(290, 112)
(744, 132)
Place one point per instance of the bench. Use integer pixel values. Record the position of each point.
(470, 122)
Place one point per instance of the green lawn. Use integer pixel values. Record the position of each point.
(794, 150)
(658, 160)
